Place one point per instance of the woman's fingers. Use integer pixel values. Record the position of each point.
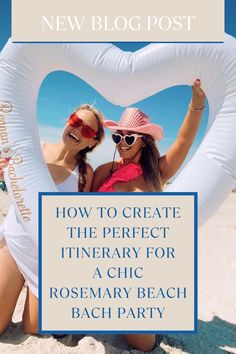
(198, 95)
(197, 82)
(1, 174)
(3, 164)
(197, 91)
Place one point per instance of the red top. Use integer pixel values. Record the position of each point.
(123, 174)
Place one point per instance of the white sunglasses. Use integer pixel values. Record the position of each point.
(129, 139)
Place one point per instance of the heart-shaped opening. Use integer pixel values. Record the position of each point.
(126, 79)
(61, 93)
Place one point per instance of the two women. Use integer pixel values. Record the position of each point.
(140, 168)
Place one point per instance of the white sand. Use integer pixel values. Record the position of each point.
(217, 302)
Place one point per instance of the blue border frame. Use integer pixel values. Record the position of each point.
(195, 310)
(110, 42)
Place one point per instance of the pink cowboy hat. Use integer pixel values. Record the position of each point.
(136, 121)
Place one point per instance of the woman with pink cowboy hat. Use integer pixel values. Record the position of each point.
(141, 168)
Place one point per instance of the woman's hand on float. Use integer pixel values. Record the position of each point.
(3, 164)
(197, 103)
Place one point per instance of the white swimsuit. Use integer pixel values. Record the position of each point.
(20, 245)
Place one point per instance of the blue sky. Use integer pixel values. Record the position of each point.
(62, 92)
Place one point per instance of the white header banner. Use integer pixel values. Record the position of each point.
(105, 20)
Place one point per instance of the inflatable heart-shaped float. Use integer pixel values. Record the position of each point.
(212, 170)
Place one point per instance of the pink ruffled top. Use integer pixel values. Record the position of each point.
(124, 173)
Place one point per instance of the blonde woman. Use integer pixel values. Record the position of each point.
(70, 171)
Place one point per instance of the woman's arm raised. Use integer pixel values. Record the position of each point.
(175, 156)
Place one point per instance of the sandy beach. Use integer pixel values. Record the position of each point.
(216, 311)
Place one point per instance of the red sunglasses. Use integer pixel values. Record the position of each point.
(86, 131)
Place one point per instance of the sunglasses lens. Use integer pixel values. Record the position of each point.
(129, 139)
(116, 138)
(74, 121)
(87, 132)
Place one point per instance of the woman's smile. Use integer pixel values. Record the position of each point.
(72, 135)
(125, 148)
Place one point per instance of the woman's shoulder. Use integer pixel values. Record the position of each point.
(89, 169)
(103, 167)
(107, 167)
(47, 150)
(102, 172)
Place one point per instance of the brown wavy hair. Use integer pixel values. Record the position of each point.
(81, 157)
(150, 157)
